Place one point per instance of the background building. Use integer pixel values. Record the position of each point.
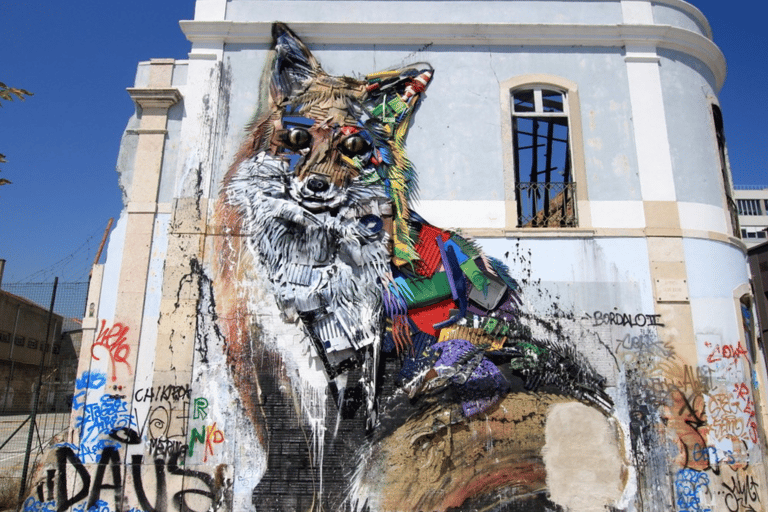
(752, 205)
(585, 149)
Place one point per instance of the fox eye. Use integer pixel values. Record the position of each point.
(297, 138)
(354, 145)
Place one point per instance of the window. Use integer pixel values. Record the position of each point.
(749, 206)
(748, 324)
(5, 337)
(717, 118)
(19, 341)
(544, 186)
(753, 233)
(32, 343)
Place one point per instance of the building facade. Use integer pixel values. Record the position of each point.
(752, 204)
(561, 325)
(27, 347)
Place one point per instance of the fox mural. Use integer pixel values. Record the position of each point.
(383, 361)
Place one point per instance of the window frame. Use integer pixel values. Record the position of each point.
(723, 163)
(572, 111)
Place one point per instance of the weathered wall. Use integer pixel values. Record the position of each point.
(614, 373)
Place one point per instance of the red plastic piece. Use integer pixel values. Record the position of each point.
(429, 252)
(425, 318)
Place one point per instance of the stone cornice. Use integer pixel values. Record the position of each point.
(206, 33)
(154, 98)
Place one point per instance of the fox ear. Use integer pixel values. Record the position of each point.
(394, 94)
(293, 63)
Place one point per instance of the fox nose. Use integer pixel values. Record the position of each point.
(317, 184)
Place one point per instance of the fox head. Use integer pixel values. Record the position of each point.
(333, 132)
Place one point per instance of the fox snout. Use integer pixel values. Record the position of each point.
(318, 184)
(315, 192)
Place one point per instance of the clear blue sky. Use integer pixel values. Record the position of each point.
(78, 57)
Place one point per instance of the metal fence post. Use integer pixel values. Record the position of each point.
(36, 398)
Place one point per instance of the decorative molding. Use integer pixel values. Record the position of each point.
(147, 132)
(559, 233)
(494, 34)
(154, 98)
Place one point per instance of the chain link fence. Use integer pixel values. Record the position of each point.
(38, 363)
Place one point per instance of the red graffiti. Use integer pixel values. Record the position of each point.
(742, 393)
(210, 436)
(115, 341)
(726, 352)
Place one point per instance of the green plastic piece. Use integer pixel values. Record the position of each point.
(475, 275)
(427, 291)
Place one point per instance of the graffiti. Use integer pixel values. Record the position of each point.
(691, 487)
(108, 477)
(168, 421)
(208, 437)
(114, 340)
(733, 414)
(168, 393)
(742, 495)
(688, 419)
(106, 414)
(165, 448)
(727, 353)
(625, 319)
(88, 380)
(32, 504)
(200, 408)
(646, 343)
(713, 456)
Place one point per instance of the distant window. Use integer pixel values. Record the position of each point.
(5, 337)
(44, 347)
(749, 206)
(19, 341)
(56, 348)
(32, 343)
(545, 191)
(753, 232)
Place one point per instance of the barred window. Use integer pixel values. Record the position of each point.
(545, 190)
(749, 206)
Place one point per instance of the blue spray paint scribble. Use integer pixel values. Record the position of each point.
(91, 452)
(98, 419)
(31, 504)
(101, 419)
(689, 486)
(88, 380)
(99, 506)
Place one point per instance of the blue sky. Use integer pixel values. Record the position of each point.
(78, 57)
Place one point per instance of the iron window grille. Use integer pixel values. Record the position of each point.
(545, 192)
